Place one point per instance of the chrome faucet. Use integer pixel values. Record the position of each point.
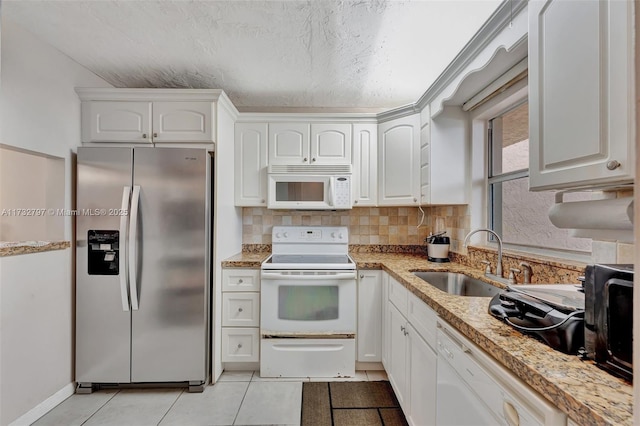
(499, 265)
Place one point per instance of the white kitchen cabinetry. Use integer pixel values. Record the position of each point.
(304, 143)
(365, 165)
(147, 122)
(444, 158)
(399, 161)
(386, 341)
(581, 110)
(369, 335)
(251, 164)
(240, 315)
(411, 358)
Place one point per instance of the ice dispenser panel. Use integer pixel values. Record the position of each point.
(103, 252)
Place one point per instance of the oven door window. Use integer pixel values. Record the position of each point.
(308, 303)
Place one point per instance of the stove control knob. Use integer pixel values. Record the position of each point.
(333, 235)
(286, 235)
(340, 235)
(278, 235)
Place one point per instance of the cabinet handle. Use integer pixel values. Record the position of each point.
(406, 332)
(402, 328)
(239, 345)
(144, 136)
(415, 199)
(262, 201)
(155, 135)
(361, 276)
(305, 159)
(240, 281)
(355, 201)
(510, 414)
(239, 309)
(313, 159)
(613, 164)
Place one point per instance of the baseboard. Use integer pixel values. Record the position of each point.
(369, 366)
(45, 406)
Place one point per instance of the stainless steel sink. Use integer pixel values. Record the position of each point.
(458, 284)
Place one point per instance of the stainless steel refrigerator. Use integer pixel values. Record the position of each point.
(142, 266)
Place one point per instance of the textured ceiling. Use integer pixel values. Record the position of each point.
(308, 54)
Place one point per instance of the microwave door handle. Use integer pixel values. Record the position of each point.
(133, 248)
(124, 290)
(331, 194)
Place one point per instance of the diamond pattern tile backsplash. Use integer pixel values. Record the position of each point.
(374, 225)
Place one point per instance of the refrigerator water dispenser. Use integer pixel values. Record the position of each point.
(103, 252)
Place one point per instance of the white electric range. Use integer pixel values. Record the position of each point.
(308, 304)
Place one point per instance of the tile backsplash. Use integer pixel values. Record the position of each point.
(367, 225)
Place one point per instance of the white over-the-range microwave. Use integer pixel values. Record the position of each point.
(309, 187)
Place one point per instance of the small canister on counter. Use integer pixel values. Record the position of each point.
(438, 247)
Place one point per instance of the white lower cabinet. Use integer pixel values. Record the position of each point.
(411, 361)
(369, 336)
(240, 315)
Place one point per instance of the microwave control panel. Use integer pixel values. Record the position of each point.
(343, 192)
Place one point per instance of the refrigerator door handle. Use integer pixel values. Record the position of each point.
(133, 248)
(124, 291)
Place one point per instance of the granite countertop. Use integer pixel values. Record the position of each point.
(579, 388)
(27, 247)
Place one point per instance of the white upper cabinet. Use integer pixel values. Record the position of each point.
(580, 93)
(399, 161)
(251, 164)
(365, 165)
(330, 143)
(183, 121)
(289, 143)
(304, 143)
(147, 122)
(444, 158)
(116, 122)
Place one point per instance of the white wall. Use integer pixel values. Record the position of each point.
(40, 112)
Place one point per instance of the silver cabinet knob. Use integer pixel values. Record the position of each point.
(262, 201)
(355, 201)
(239, 345)
(305, 159)
(402, 328)
(240, 281)
(613, 164)
(240, 309)
(155, 135)
(313, 159)
(361, 276)
(144, 136)
(415, 199)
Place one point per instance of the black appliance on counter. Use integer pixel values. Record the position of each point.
(609, 317)
(438, 247)
(553, 313)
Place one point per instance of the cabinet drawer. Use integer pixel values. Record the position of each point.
(240, 344)
(423, 319)
(240, 279)
(240, 309)
(398, 295)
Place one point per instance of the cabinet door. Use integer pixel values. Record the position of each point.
(425, 165)
(183, 122)
(330, 144)
(369, 336)
(386, 341)
(288, 143)
(365, 165)
(581, 105)
(112, 121)
(422, 378)
(251, 164)
(399, 163)
(398, 374)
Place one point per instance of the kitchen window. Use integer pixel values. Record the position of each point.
(521, 217)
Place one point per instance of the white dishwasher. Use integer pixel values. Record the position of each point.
(473, 389)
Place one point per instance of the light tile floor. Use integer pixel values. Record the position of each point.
(239, 398)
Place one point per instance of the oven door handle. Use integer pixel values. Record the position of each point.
(289, 277)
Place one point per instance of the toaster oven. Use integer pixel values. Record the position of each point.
(609, 317)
